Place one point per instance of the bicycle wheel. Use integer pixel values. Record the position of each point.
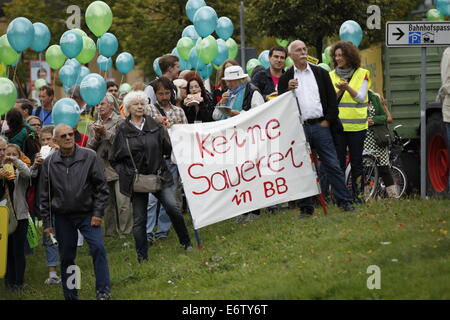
(370, 174)
(399, 181)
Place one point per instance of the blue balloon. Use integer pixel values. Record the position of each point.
(195, 61)
(83, 73)
(107, 45)
(66, 111)
(68, 76)
(443, 6)
(175, 52)
(20, 34)
(71, 43)
(205, 21)
(264, 59)
(125, 62)
(75, 64)
(156, 67)
(42, 37)
(104, 63)
(93, 89)
(206, 72)
(192, 6)
(190, 32)
(224, 28)
(185, 65)
(222, 55)
(351, 31)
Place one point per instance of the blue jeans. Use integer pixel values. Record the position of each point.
(51, 250)
(321, 140)
(154, 205)
(67, 235)
(173, 207)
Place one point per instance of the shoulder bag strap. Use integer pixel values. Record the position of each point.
(132, 160)
(161, 110)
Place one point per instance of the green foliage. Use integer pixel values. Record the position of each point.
(280, 257)
(313, 21)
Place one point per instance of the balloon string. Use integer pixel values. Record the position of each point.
(54, 79)
(121, 80)
(16, 78)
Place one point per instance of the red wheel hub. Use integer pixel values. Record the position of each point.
(438, 163)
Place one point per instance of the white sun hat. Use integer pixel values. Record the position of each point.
(234, 73)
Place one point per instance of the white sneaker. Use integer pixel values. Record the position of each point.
(53, 281)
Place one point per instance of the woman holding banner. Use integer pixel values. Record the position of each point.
(138, 152)
(241, 95)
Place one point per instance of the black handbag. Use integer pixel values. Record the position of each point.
(382, 135)
(144, 183)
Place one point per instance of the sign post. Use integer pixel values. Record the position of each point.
(421, 34)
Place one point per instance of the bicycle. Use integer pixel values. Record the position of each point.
(374, 186)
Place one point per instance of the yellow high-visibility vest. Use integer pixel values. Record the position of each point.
(353, 114)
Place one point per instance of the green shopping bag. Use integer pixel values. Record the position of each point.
(32, 235)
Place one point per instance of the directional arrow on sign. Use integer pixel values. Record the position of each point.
(400, 34)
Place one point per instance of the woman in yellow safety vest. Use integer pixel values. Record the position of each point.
(351, 83)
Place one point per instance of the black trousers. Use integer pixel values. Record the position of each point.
(354, 142)
(15, 268)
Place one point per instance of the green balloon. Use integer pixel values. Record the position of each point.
(98, 18)
(288, 63)
(8, 95)
(281, 42)
(39, 83)
(216, 67)
(125, 88)
(324, 66)
(434, 15)
(207, 49)
(184, 46)
(233, 48)
(251, 65)
(326, 55)
(81, 32)
(7, 54)
(55, 57)
(88, 52)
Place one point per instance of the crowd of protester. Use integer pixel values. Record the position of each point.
(127, 136)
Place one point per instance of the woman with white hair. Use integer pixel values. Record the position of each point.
(241, 95)
(138, 151)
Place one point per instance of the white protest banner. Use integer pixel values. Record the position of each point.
(257, 159)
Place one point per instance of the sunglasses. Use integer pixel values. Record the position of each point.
(64, 136)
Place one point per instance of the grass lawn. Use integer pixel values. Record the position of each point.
(281, 257)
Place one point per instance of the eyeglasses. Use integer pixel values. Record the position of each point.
(65, 135)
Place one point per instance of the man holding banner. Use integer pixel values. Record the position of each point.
(317, 101)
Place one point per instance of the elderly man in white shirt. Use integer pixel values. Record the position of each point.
(318, 105)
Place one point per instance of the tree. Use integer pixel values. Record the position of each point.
(314, 20)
